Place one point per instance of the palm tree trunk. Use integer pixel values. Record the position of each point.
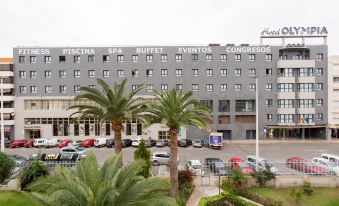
(117, 127)
(173, 161)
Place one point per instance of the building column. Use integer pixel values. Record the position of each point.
(284, 135)
(328, 134)
(303, 133)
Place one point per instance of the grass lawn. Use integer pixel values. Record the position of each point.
(12, 198)
(320, 196)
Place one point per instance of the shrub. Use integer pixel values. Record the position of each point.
(185, 178)
(7, 166)
(307, 188)
(143, 153)
(236, 182)
(31, 172)
(263, 200)
(296, 193)
(261, 177)
(219, 200)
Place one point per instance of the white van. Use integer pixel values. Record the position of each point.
(100, 142)
(51, 142)
(262, 163)
(334, 159)
(39, 142)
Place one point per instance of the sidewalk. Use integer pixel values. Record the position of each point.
(201, 191)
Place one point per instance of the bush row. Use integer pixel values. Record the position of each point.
(222, 200)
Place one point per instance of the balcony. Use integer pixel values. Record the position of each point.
(286, 110)
(286, 95)
(310, 79)
(282, 79)
(310, 110)
(296, 63)
(305, 95)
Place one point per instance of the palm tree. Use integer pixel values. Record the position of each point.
(110, 185)
(176, 109)
(112, 105)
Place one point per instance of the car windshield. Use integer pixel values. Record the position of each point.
(243, 164)
(79, 148)
(196, 167)
(197, 141)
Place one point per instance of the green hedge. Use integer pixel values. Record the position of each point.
(219, 200)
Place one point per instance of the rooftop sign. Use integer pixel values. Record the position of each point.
(295, 31)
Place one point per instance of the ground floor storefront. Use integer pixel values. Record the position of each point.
(296, 132)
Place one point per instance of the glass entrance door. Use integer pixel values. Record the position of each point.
(34, 134)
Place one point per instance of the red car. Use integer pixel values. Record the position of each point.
(237, 163)
(18, 143)
(88, 143)
(63, 143)
(305, 166)
(29, 143)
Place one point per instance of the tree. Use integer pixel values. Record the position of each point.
(143, 153)
(176, 109)
(7, 166)
(110, 185)
(112, 105)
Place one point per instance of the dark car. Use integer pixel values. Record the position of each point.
(185, 143)
(20, 161)
(216, 166)
(162, 143)
(150, 143)
(126, 143)
(198, 143)
(110, 143)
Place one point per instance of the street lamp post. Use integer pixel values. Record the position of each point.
(256, 123)
(2, 117)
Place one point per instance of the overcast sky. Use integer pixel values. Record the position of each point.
(156, 22)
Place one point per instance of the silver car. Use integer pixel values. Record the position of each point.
(160, 158)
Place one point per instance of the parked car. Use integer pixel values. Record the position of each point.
(198, 143)
(29, 143)
(185, 143)
(334, 169)
(135, 143)
(331, 157)
(195, 166)
(20, 161)
(262, 164)
(237, 163)
(39, 142)
(51, 143)
(18, 143)
(209, 160)
(160, 158)
(126, 143)
(162, 143)
(150, 143)
(63, 143)
(110, 143)
(88, 143)
(216, 166)
(76, 142)
(305, 166)
(82, 152)
(100, 142)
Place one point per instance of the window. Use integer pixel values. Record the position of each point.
(163, 58)
(76, 73)
(23, 89)
(319, 86)
(76, 88)
(319, 57)
(135, 58)
(252, 72)
(285, 118)
(206, 103)
(134, 87)
(209, 72)
(32, 59)
(251, 57)
(48, 59)
(237, 57)
(178, 57)
(320, 102)
(320, 71)
(91, 73)
(269, 102)
(223, 87)
(120, 73)
(62, 59)
(164, 87)
(237, 87)
(223, 57)
(120, 58)
(305, 87)
(22, 59)
(305, 72)
(305, 103)
(320, 116)
(237, 72)
(105, 73)
(195, 72)
(223, 72)
(62, 73)
(286, 72)
(34, 89)
(32, 74)
(287, 87)
(135, 73)
(251, 87)
(22, 74)
(195, 87)
(91, 58)
(285, 103)
(164, 72)
(268, 72)
(268, 57)
(305, 118)
(195, 57)
(269, 87)
(48, 89)
(149, 58)
(208, 57)
(149, 72)
(209, 87)
(178, 87)
(76, 59)
(178, 72)
(48, 74)
(224, 106)
(245, 105)
(105, 58)
(149, 87)
(63, 89)
(269, 117)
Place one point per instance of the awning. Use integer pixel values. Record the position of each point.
(333, 126)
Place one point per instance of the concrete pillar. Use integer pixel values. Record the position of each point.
(303, 133)
(284, 135)
(328, 134)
